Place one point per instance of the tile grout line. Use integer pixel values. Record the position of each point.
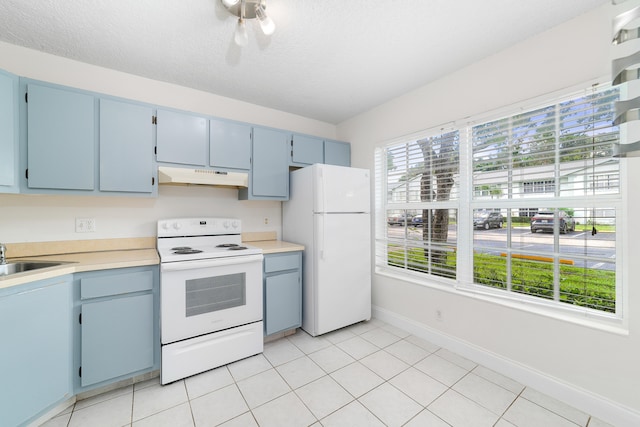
(509, 407)
(335, 345)
(193, 417)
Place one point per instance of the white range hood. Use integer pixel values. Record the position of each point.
(186, 176)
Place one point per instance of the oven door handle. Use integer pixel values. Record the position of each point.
(206, 263)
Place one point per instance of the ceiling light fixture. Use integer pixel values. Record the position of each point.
(266, 23)
(241, 37)
(249, 9)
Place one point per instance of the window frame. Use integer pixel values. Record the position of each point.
(466, 205)
(382, 240)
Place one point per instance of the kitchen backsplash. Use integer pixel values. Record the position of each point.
(40, 218)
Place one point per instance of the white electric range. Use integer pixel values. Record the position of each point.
(210, 295)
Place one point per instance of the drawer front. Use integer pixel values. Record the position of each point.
(281, 262)
(115, 284)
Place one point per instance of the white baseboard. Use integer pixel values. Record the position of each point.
(586, 401)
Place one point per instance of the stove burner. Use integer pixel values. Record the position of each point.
(187, 251)
(227, 245)
(237, 248)
(181, 248)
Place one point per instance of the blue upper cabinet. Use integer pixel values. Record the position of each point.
(182, 138)
(337, 153)
(8, 133)
(60, 139)
(306, 150)
(126, 147)
(229, 145)
(269, 177)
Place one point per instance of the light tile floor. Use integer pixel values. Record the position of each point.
(369, 374)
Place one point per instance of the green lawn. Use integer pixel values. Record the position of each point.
(579, 286)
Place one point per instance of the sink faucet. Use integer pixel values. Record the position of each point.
(3, 251)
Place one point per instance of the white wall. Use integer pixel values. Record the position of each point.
(38, 218)
(571, 361)
(586, 360)
(46, 218)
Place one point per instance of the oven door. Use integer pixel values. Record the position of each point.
(203, 296)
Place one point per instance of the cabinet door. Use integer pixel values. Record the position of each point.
(229, 145)
(307, 150)
(270, 168)
(182, 138)
(60, 139)
(126, 147)
(283, 301)
(337, 153)
(35, 360)
(8, 133)
(117, 338)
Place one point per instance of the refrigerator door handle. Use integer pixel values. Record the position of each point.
(322, 235)
(324, 211)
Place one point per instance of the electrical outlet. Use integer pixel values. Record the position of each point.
(439, 315)
(266, 220)
(85, 225)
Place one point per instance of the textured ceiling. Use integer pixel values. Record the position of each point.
(328, 59)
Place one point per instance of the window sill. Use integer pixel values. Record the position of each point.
(571, 314)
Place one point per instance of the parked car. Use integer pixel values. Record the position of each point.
(543, 221)
(399, 219)
(417, 221)
(488, 220)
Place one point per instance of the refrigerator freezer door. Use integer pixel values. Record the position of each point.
(341, 189)
(342, 279)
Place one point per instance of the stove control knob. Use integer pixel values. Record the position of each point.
(235, 223)
(226, 224)
(177, 225)
(165, 225)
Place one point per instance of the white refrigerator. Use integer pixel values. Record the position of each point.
(329, 213)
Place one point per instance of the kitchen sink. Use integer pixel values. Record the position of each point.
(24, 266)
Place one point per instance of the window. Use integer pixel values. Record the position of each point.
(538, 191)
(539, 187)
(421, 205)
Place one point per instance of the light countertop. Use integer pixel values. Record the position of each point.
(78, 261)
(81, 262)
(275, 246)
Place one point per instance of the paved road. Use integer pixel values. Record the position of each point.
(573, 244)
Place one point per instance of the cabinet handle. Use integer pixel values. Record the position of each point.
(26, 173)
(153, 180)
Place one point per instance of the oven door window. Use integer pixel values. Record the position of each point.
(211, 294)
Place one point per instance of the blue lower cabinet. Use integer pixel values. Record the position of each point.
(282, 292)
(117, 338)
(36, 355)
(118, 325)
